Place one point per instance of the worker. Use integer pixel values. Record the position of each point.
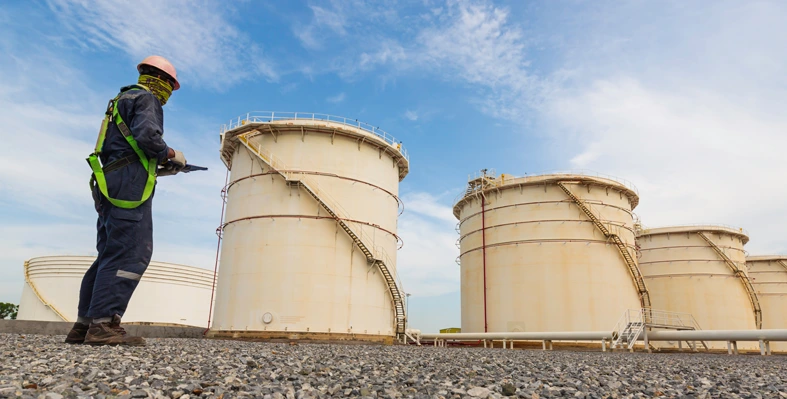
(132, 151)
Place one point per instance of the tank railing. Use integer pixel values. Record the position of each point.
(489, 173)
(271, 116)
(592, 173)
(502, 178)
(677, 320)
(359, 229)
(570, 172)
(645, 229)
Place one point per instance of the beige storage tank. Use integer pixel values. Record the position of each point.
(167, 294)
(700, 270)
(769, 278)
(309, 240)
(547, 253)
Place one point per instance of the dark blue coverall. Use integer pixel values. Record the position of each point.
(125, 236)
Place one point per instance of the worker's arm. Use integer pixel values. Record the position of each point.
(147, 127)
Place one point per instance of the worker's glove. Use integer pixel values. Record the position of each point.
(168, 169)
(178, 160)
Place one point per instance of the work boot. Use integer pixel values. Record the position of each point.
(111, 333)
(77, 333)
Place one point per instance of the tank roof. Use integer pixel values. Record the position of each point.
(269, 121)
(695, 228)
(491, 182)
(757, 258)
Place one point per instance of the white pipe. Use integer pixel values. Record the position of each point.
(719, 335)
(657, 335)
(524, 336)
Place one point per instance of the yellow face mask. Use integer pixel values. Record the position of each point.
(159, 87)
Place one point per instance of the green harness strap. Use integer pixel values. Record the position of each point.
(98, 177)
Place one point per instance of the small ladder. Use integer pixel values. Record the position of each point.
(393, 288)
(636, 275)
(741, 275)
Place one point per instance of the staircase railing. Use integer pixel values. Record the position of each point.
(633, 323)
(636, 275)
(375, 255)
(741, 275)
(628, 329)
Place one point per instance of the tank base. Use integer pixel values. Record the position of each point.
(301, 336)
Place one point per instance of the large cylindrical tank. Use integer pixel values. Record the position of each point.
(769, 277)
(301, 186)
(685, 274)
(531, 260)
(166, 294)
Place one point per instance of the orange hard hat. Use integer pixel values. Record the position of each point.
(161, 63)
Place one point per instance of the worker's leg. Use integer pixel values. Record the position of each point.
(81, 325)
(126, 255)
(86, 290)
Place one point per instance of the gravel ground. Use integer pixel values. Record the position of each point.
(42, 367)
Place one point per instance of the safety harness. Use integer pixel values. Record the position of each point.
(98, 178)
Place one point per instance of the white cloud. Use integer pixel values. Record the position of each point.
(411, 115)
(692, 114)
(477, 42)
(336, 99)
(386, 52)
(323, 20)
(426, 264)
(690, 110)
(204, 46)
(471, 42)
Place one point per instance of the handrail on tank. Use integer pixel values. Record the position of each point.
(270, 116)
(726, 226)
(572, 172)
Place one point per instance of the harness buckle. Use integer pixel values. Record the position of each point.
(110, 107)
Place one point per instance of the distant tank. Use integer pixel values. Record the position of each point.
(769, 276)
(547, 253)
(700, 270)
(168, 294)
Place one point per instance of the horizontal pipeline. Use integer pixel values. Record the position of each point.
(525, 336)
(699, 335)
(718, 335)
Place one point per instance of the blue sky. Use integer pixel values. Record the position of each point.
(685, 99)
